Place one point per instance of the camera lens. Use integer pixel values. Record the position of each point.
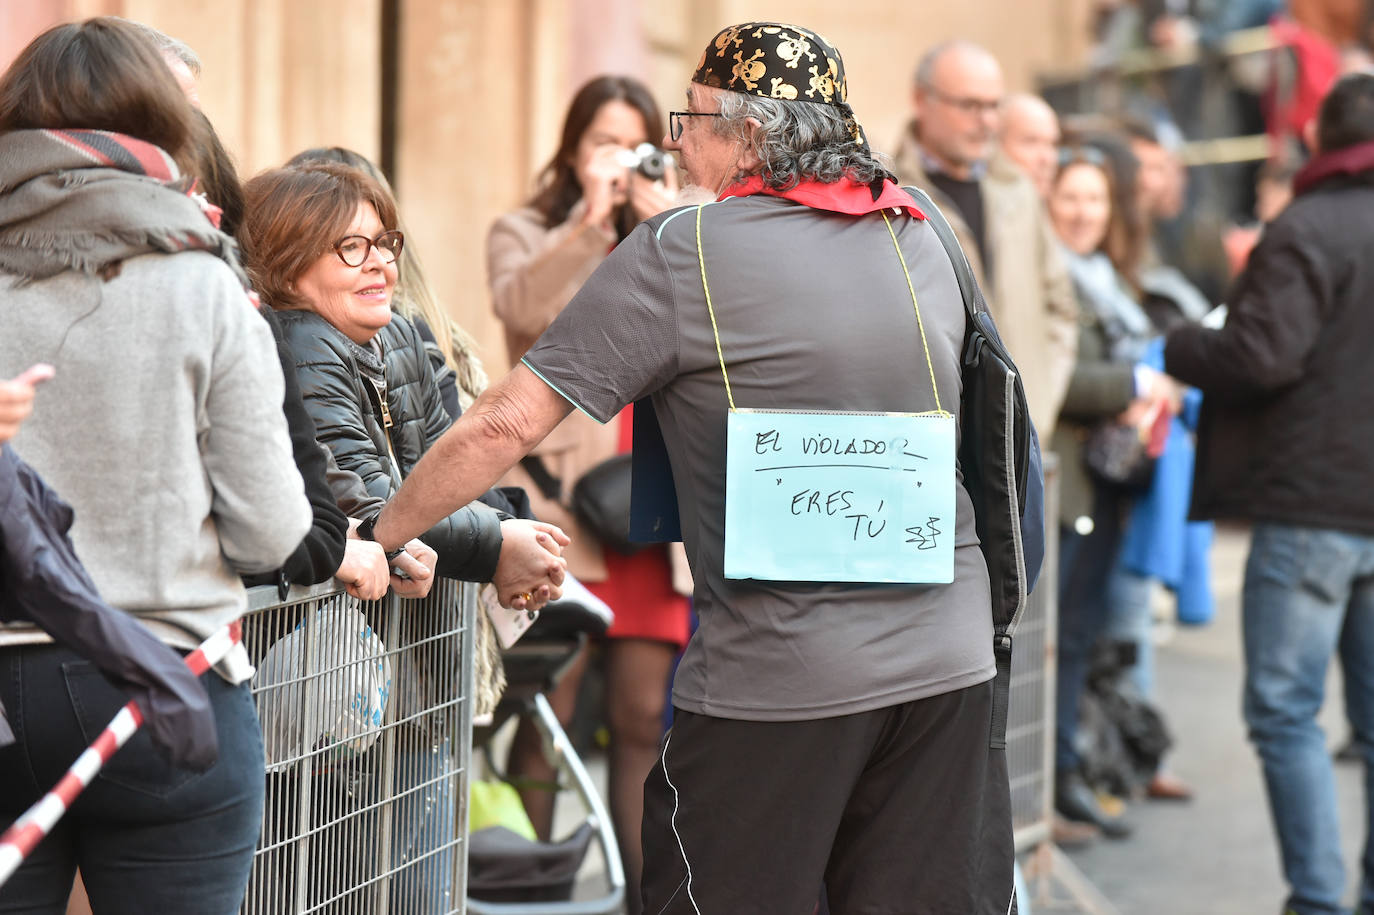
(653, 162)
(652, 166)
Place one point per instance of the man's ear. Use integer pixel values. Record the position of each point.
(748, 161)
(1309, 136)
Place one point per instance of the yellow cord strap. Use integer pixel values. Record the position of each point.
(919, 323)
(715, 329)
(701, 259)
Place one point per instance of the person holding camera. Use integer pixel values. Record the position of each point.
(603, 181)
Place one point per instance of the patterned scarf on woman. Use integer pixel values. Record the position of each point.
(86, 200)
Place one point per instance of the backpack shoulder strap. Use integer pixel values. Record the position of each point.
(968, 287)
(995, 456)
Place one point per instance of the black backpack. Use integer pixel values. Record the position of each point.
(1000, 458)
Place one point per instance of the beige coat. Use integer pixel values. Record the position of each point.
(1031, 296)
(533, 272)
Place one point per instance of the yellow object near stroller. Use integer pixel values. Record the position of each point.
(509, 872)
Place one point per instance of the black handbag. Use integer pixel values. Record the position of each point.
(1116, 455)
(601, 502)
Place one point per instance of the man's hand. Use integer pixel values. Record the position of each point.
(16, 398)
(417, 562)
(530, 570)
(363, 570)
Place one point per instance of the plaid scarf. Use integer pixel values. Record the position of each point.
(86, 200)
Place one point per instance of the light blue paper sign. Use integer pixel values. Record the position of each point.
(853, 497)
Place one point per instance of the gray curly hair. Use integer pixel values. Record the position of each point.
(168, 46)
(797, 141)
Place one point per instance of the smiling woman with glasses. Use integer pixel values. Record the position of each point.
(364, 372)
(321, 242)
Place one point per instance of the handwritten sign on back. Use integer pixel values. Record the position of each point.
(843, 497)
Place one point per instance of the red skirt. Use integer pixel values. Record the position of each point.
(639, 589)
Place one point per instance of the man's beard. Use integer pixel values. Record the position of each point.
(695, 195)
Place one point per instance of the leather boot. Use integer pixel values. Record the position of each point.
(1074, 800)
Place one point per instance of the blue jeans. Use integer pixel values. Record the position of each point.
(424, 831)
(1130, 620)
(1302, 585)
(1086, 562)
(147, 837)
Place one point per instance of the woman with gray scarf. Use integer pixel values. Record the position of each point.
(163, 428)
(1109, 386)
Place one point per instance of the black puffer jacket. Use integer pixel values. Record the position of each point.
(351, 394)
(319, 555)
(1286, 431)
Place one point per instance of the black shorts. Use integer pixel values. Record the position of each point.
(899, 810)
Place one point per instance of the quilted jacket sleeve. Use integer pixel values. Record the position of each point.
(469, 540)
(320, 553)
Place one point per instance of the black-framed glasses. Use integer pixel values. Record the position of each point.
(966, 104)
(675, 121)
(354, 249)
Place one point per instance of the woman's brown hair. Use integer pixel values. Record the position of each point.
(292, 215)
(101, 74)
(1120, 243)
(559, 189)
(414, 297)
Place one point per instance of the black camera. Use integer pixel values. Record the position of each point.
(647, 159)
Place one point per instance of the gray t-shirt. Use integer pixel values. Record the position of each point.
(814, 313)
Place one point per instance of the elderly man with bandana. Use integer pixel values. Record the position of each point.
(832, 729)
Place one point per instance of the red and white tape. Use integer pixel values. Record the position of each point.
(27, 831)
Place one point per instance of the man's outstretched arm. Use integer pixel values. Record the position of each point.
(507, 421)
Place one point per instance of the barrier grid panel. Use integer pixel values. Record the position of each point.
(1030, 718)
(366, 719)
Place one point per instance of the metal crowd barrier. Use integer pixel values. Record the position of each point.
(1052, 883)
(366, 710)
(1030, 718)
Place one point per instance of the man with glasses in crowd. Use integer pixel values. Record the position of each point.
(949, 150)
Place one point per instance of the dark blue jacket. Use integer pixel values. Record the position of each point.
(43, 582)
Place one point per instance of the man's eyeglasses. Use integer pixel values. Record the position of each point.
(675, 121)
(354, 249)
(966, 104)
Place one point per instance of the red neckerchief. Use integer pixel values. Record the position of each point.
(845, 196)
(1348, 161)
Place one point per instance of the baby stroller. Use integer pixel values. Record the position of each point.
(507, 873)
